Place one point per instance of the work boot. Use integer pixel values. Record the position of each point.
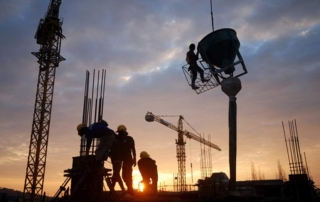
(204, 80)
(194, 87)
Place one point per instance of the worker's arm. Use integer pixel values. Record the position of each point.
(89, 140)
(197, 55)
(134, 153)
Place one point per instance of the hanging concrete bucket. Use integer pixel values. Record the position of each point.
(220, 48)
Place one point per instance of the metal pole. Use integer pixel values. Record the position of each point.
(231, 87)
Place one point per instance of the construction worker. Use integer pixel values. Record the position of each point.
(149, 172)
(98, 130)
(194, 68)
(116, 160)
(128, 156)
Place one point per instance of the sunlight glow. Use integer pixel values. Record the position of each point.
(136, 179)
(140, 187)
(126, 78)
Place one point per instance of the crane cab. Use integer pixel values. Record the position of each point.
(219, 51)
(149, 117)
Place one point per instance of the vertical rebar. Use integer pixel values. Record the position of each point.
(104, 87)
(100, 98)
(85, 112)
(292, 149)
(95, 107)
(85, 100)
(298, 146)
(90, 111)
(92, 93)
(307, 168)
(285, 139)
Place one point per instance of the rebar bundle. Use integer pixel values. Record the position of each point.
(293, 149)
(90, 114)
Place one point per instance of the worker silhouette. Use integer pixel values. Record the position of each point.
(149, 172)
(192, 59)
(128, 156)
(116, 160)
(98, 130)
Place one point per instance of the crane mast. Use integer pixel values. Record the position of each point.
(48, 36)
(180, 145)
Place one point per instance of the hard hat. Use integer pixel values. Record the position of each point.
(80, 126)
(121, 127)
(144, 154)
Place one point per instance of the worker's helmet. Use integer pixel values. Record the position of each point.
(81, 129)
(144, 154)
(121, 127)
(80, 126)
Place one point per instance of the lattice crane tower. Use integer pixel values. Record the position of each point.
(48, 36)
(180, 145)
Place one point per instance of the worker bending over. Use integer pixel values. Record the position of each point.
(149, 172)
(98, 130)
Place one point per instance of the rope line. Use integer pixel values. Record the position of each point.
(211, 15)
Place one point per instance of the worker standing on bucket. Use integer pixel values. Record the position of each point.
(192, 59)
(129, 156)
(98, 130)
(149, 172)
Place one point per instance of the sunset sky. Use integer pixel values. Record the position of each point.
(142, 45)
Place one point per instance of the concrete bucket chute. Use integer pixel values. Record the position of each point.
(220, 48)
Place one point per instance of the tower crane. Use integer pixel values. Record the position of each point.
(180, 145)
(48, 36)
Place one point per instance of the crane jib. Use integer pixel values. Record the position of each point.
(201, 140)
(151, 117)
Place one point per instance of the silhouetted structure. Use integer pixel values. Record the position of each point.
(87, 174)
(181, 155)
(299, 187)
(49, 36)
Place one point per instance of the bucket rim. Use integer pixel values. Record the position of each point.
(216, 31)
